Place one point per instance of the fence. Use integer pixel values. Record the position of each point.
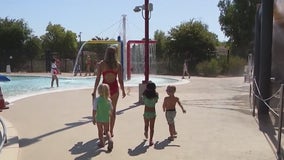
(277, 111)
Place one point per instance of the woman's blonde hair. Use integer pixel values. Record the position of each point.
(110, 57)
(103, 90)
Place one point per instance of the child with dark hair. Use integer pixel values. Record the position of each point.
(150, 98)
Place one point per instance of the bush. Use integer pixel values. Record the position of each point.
(233, 66)
(236, 66)
(209, 68)
(223, 63)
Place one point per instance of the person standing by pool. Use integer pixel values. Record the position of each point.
(111, 70)
(54, 72)
(150, 98)
(88, 65)
(58, 64)
(95, 66)
(185, 70)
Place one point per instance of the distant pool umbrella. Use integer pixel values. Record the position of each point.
(4, 78)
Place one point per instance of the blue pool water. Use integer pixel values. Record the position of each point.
(23, 85)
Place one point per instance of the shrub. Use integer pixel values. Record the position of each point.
(233, 66)
(209, 68)
(236, 66)
(223, 63)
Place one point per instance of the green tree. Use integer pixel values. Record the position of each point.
(190, 40)
(161, 49)
(13, 34)
(33, 49)
(237, 22)
(58, 40)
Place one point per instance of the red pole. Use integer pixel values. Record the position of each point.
(146, 41)
(128, 62)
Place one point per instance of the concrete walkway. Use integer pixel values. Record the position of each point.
(217, 126)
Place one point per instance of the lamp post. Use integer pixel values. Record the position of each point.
(82, 61)
(146, 41)
(10, 63)
(147, 8)
(11, 57)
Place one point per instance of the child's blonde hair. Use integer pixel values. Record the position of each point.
(171, 89)
(103, 90)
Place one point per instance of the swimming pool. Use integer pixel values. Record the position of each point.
(22, 86)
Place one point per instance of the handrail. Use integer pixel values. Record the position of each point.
(4, 135)
(280, 121)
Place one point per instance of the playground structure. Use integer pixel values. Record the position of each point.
(133, 58)
(111, 42)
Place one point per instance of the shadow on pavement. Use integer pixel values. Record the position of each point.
(268, 128)
(28, 141)
(130, 107)
(165, 143)
(140, 149)
(88, 150)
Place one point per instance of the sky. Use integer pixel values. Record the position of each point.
(103, 18)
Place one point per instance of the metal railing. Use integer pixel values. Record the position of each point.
(279, 96)
(3, 135)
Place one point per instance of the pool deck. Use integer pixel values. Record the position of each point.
(218, 125)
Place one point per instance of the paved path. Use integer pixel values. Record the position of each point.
(217, 126)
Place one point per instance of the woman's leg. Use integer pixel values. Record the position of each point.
(114, 99)
(52, 80)
(56, 78)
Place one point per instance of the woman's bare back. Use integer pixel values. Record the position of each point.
(110, 75)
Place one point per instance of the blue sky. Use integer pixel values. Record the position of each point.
(103, 18)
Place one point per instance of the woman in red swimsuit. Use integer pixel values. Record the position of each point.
(111, 70)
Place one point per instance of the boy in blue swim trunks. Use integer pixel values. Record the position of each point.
(150, 98)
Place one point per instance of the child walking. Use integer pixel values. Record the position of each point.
(102, 108)
(169, 107)
(150, 98)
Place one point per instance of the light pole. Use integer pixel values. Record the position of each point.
(11, 57)
(10, 63)
(147, 7)
(82, 61)
(80, 33)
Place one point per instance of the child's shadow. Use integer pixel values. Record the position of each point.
(90, 149)
(165, 143)
(140, 149)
